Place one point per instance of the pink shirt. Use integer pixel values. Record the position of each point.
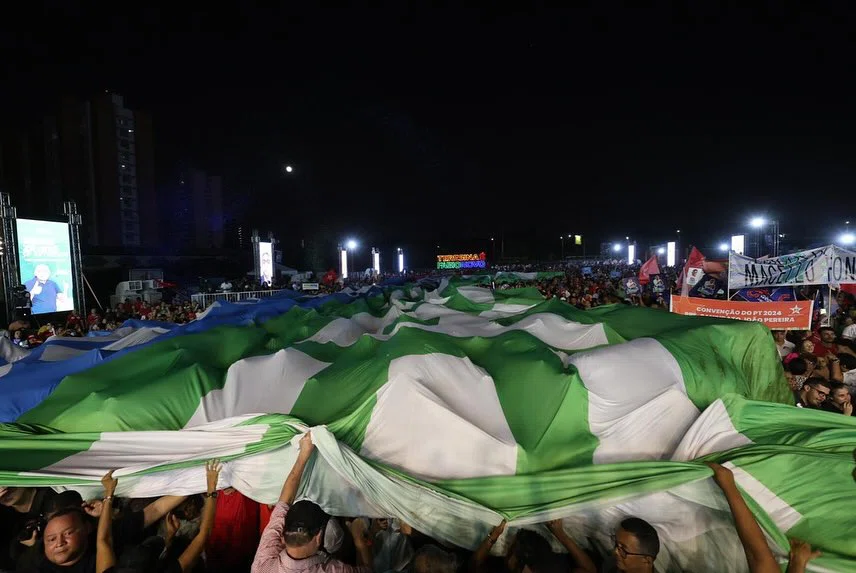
(272, 558)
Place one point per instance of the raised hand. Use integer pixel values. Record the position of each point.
(172, 524)
(306, 446)
(801, 552)
(212, 474)
(93, 508)
(721, 475)
(497, 531)
(109, 483)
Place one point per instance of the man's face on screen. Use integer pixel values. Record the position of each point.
(42, 272)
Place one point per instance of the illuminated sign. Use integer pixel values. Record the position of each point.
(44, 264)
(466, 261)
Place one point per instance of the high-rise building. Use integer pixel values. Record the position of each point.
(193, 215)
(98, 153)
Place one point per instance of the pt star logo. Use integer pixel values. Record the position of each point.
(796, 309)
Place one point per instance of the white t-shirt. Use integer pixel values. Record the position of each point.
(849, 332)
(850, 379)
(785, 348)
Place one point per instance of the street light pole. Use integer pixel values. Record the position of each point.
(562, 238)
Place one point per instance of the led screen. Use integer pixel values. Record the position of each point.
(44, 263)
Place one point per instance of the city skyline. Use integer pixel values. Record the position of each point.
(451, 127)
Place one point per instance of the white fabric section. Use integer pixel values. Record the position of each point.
(374, 494)
(132, 452)
(11, 352)
(449, 407)
(371, 323)
(622, 380)
(139, 336)
(269, 383)
(435, 296)
(5, 369)
(476, 294)
(694, 517)
(340, 331)
(550, 328)
(57, 352)
(782, 514)
(504, 310)
(650, 432)
(204, 313)
(712, 432)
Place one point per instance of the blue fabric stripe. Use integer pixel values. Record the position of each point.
(31, 380)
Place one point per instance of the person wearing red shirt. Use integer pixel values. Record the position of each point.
(824, 342)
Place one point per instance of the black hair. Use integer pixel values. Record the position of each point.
(645, 534)
(798, 366)
(64, 500)
(833, 386)
(822, 328)
(432, 559)
(531, 549)
(817, 381)
(78, 511)
(848, 361)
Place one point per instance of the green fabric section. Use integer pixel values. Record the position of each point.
(28, 447)
(518, 496)
(129, 393)
(540, 400)
(521, 366)
(806, 457)
(781, 424)
(802, 456)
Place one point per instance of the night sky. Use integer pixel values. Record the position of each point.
(449, 126)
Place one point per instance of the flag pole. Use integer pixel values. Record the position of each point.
(728, 284)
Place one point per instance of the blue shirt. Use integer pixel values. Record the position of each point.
(45, 301)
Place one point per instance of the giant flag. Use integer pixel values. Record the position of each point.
(452, 407)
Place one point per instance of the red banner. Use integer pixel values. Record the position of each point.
(783, 315)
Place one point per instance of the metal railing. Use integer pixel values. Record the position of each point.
(204, 299)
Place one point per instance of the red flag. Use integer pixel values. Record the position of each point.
(649, 268)
(693, 271)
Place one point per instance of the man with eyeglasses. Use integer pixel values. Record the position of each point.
(636, 545)
(813, 393)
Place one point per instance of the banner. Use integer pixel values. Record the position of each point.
(658, 285)
(767, 295)
(826, 265)
(265, 264)
(631, 286)
(790, 315)
(707, 286)
(842, 267)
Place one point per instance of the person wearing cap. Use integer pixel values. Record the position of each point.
(294, 536)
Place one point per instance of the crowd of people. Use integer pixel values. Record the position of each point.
(42, 530)
(587, 286)
(223, 531)
(821, 367)
(30, 333)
